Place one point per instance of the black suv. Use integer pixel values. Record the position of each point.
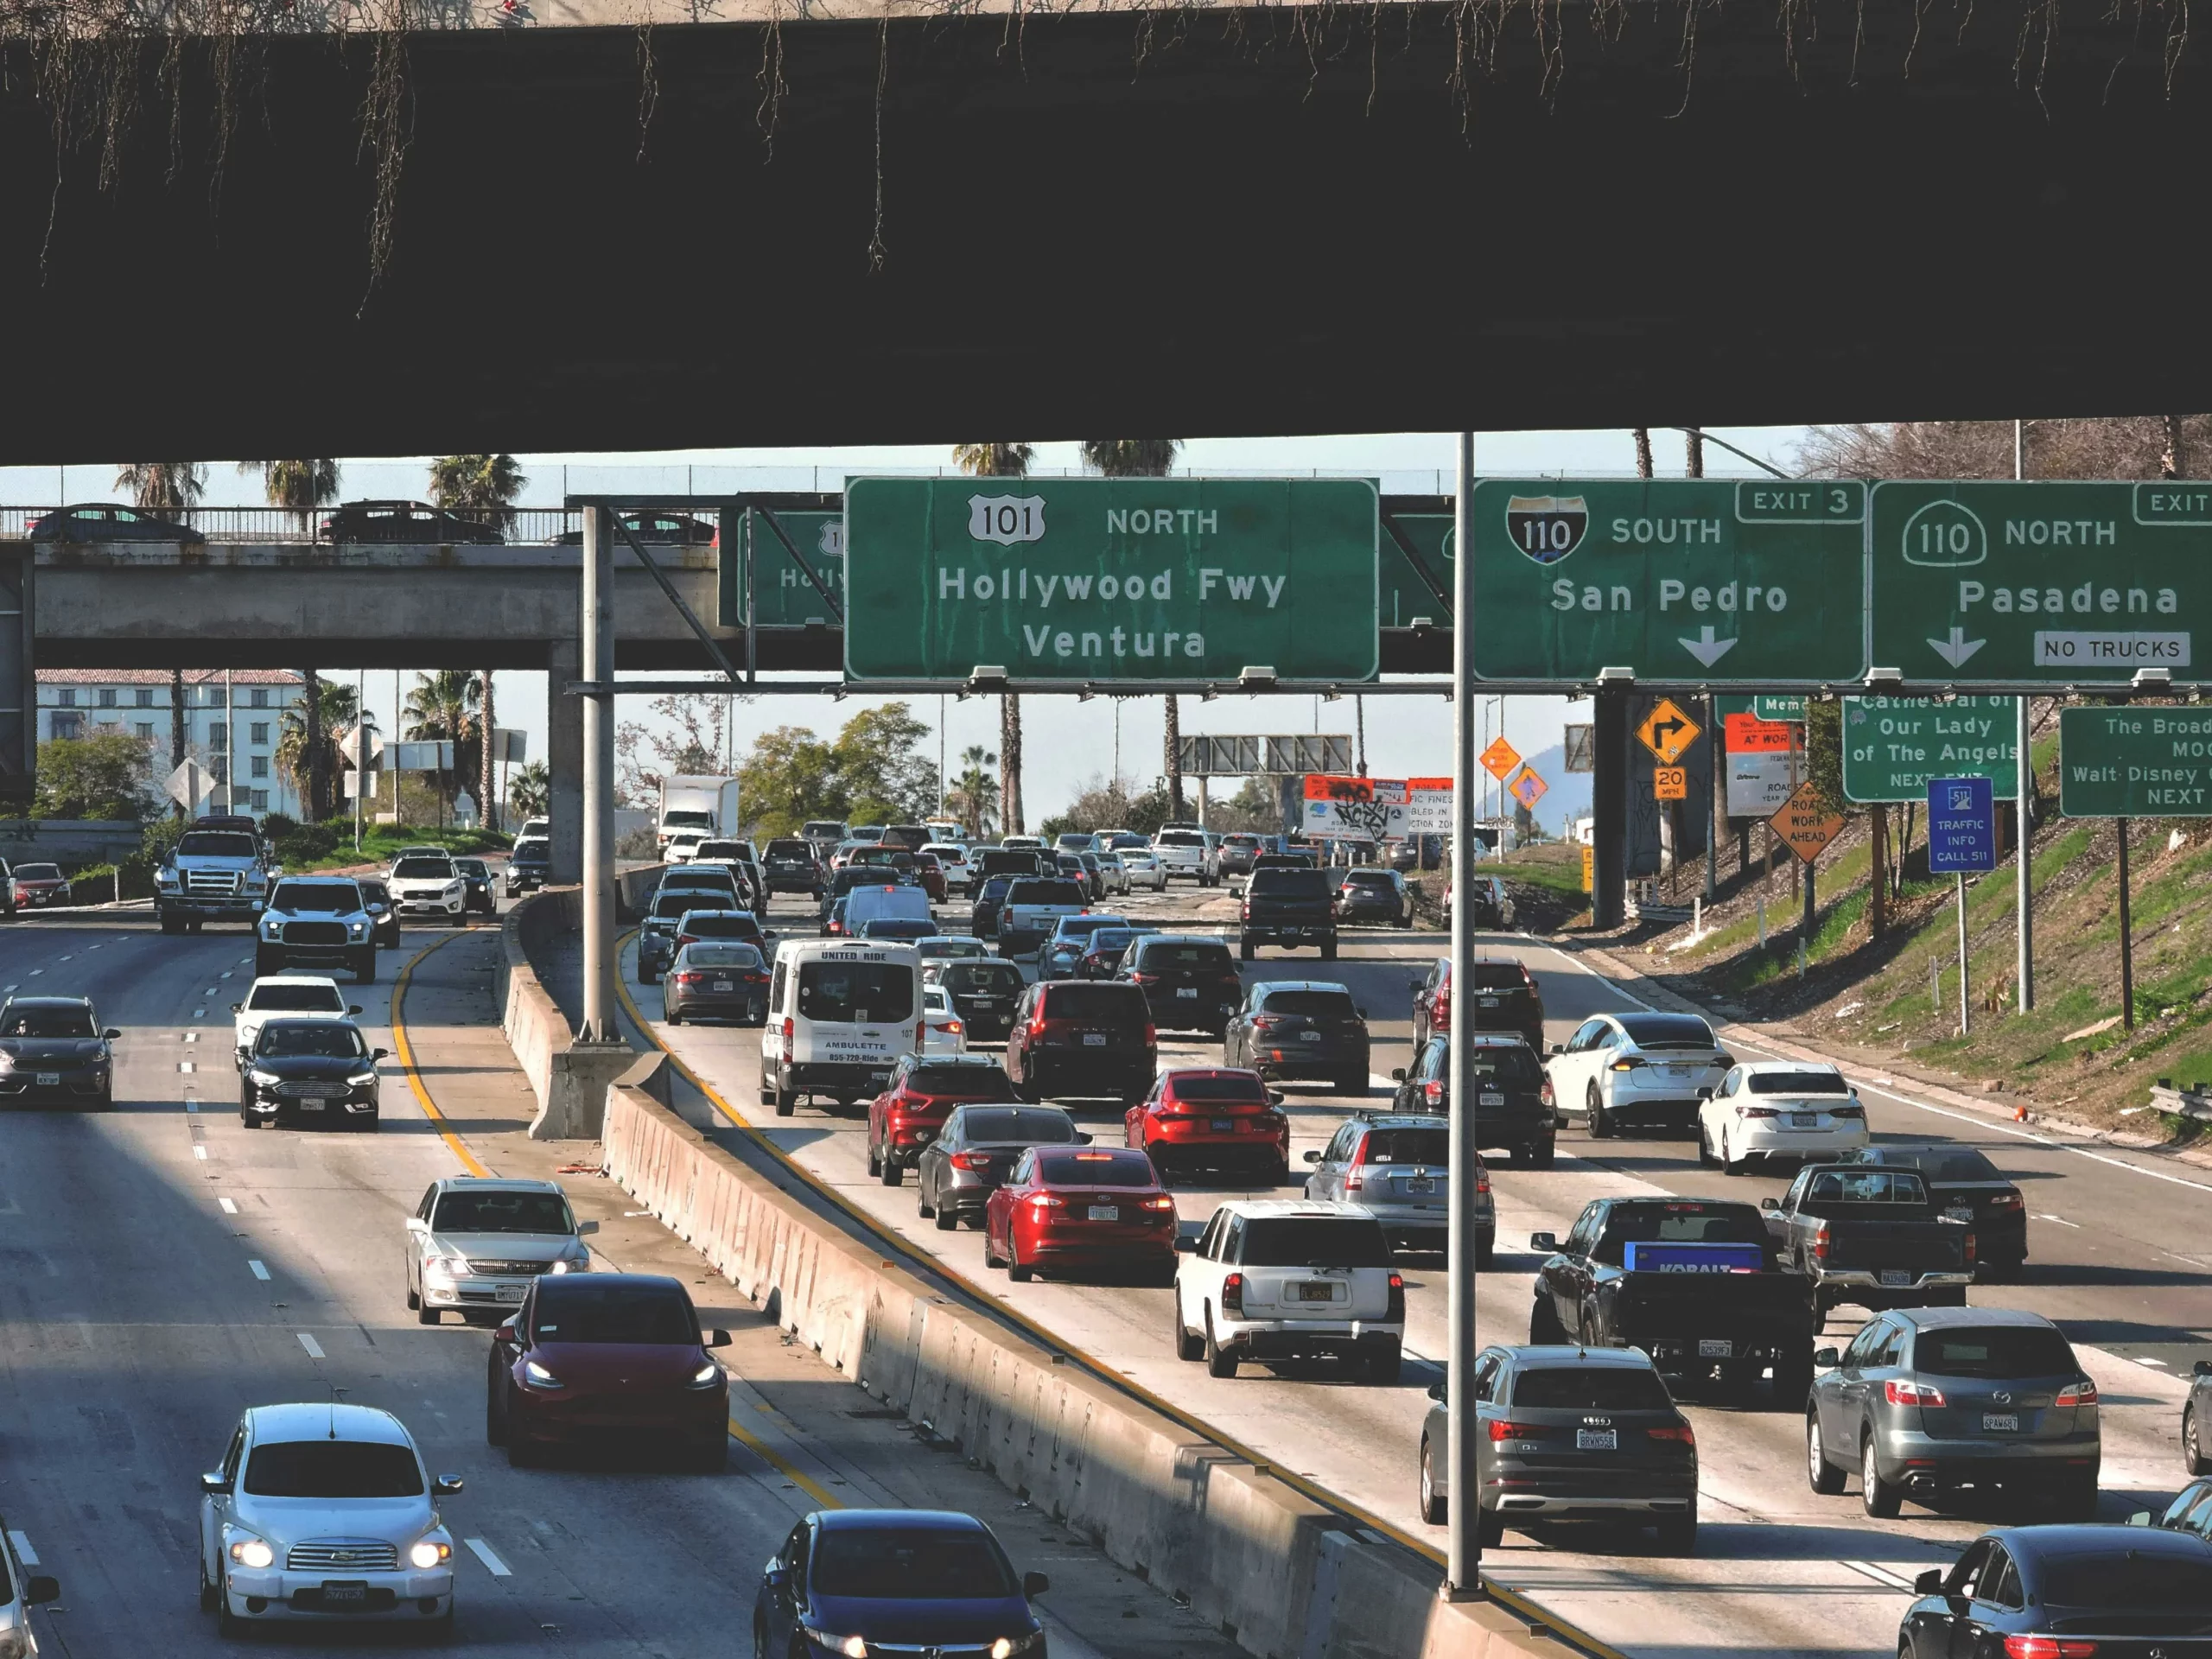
(791, 867)
(1301, 1028)
(1513, 1103)
(1374, 896)
(1190, 983)
(990, 898)
(1290, 908)
(529, 866)
(1501, 995)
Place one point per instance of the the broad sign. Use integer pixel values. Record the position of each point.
(1893, 746)
(2135, 763)
(1962, 826)
(1126, 579)
(1202, 756)
(1702, 580)
(2068, 583)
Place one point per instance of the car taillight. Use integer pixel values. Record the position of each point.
(788, 1035)
(1245, 913)
(2007, 1201)
(1820, 1243)
(1266, 1021)
(1439, 1011)
(1900, 1393)
(2083, 1393)
(1151, 1036)
(1753, 1111)
(687, 979)
(1395, 1307)
(1501, 1430)
(1853, 1111)
(1682, 1431)
(1046, 1200)
(1163, 1203)
(952, 1026)
(1546, 1095)
(1433, 1091)
(1037, 1024)
(970, 1160)
(1142, 978)
(1969, 1249)
(1628, 1063)
(1482, 1179)
(1232, 1294)
(2048, 1647)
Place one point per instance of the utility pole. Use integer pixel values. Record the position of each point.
(600, 916)
(2024, 901)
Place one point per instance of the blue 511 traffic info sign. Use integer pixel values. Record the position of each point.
(1962, 826)
(1117, 580)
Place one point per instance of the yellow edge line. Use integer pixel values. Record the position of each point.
(782, 1464)
(406, 1054)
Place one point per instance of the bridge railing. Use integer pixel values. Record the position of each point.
(524, 525)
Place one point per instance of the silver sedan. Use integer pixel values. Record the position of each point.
(474, 1244)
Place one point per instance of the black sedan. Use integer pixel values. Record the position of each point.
(1102, 959)
(1966, 1186)
(478, 874)
(529, 866)
(2057, 1592)
(304, 1071)
(104, 521)
(1301, 1028)
(53, 1051)
(384, 915)
(865, 1581)
(2196, 1422)
(955, 1175)
(405, 522)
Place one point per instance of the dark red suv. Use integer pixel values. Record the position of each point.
(906, 1117)
(1220, 1118)
(1082, 1038)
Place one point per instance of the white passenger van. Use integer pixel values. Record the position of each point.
(840, 1014)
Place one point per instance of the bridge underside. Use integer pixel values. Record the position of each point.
(1271, 221)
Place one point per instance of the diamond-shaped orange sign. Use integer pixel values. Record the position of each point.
(1500, 759)
(1805, 826)
(1668, 733)
(1528, 788)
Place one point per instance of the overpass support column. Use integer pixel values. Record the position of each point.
(599, 915)
(564, 760)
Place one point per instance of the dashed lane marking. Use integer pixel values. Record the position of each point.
(201, 1153)
(260, 1270)
(229, 1205)
(24, 1553)
(490, 1557)
(314, 1347)
(185, 1066)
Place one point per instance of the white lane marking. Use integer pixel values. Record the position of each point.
(2062, 1221)
(199, 1013)
(229, 1205)
(24, 1553)
(3, 989)
(36, 972)
(185, 1066)
(314, 1347)
(260, 1270)
(210, 991)
(226, 974)
(490, 1557)
(199, 1152)
(1879, 1574)
(191, 1036)
(67, 958)
(2144, 1359)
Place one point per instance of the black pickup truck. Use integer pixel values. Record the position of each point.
(1288, 908)
(1694, 1282)
(1864, 1234)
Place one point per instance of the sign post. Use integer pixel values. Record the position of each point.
(1961, 842)
(1464, 1557)
(188, 785)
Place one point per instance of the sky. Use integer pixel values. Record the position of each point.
(1067, 745)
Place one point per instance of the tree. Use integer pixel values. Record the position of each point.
(302, 485)
(104, 776)
(321, 717)
(177, 749)
(163, 486)
(1147, 458)
(529, 792)
(1642, 451)
(791, 776)
(887, 775)
(645, 754)
(2115, 448)
(975, 792)
(483, 487)
(486, 782)
(440, 710)
(1003, 460)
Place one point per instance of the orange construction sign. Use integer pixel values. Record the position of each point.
(1500, 759)
(1749, 735)
(1804, 824)
(1668, 732)
(1670, 784)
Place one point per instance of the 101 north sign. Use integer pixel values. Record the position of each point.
(1709, 581)
(1111, 579)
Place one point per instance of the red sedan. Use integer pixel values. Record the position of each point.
(1219, 1118)
(1091, 1210)
(906, 1117)
(931, 875)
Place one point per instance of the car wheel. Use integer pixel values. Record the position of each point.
(1435, 1508)
(425, 1314)
(1881, 1500)
(1544, 1329)
(1542, 1155)
(1489, 1528)
(675, 1016)
(891, 1172)
(1220, 1361)
(786, 1102)
(1244, 949)
(874, 1163)
(1599, 1128)
(365, 967)
(1188, 1345)
(1485, 1248)
(1381, 1367)
(948, 1220)
(1730, 1164)
(266, 962)
(2192, 1450)
(1328, 949)
(1016, 1269)
(1820, 1475)
(414, 1299)
(1705, 1158)
(1793, 1382)
(209, 1596)
(227, 1622)
(1678, 1534)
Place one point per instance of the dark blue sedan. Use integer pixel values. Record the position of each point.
(2066, 1592)
(848, 1580)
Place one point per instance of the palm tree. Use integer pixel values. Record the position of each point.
(487, 809)
(1147, 458)
(439, 710)
(177, 750)
(320, 718)
(1003, 460)
(975, 792)
(529, 792)
(163, 486)
(302, 485)
(482, 487)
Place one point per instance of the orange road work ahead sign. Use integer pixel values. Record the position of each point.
(1500, 759)
(1668, 732)
(1805, 826)
(1670, 784)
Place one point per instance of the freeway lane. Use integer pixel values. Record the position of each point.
(1778, 1568)
(135, 1246)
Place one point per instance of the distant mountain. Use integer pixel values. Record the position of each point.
(1567, 798)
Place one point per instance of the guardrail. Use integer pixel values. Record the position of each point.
(569, 1079)
(2194, 1102)
(521, 527)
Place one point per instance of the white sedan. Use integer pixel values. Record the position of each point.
(1637, 1070)
(294, 997)
(944, 1032)
(1780, 1108)
(1142, 869)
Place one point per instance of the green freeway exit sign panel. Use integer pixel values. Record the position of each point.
(2147, 762)
(2070, 583)
(1111, 579)
(1711, 581)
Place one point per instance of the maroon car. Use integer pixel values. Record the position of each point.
(40, 884)
(596, 1355)
(905, 1118)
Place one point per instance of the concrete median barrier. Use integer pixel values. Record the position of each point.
(569, 1079)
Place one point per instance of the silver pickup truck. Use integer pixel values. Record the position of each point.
(218, 872)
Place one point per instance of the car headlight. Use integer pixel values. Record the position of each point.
(851, 1646)
(165, 878)
(441, 1267)
(250, 1551)
(538, 1374)
(707, 1376)
(453, 889)
(7, 1061)
(1006, 1646)
(357, 928)
(363, 1080)
(431, 1551)
(262, 1079)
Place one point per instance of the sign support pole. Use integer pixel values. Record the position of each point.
(1609, 807)
(1463, 1561)
(2026, 836)
(1966, 1014)
(599, 782)
(2126, 936)
(1716, 784)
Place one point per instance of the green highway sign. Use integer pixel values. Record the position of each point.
(2135, 763)
(787, 599)
(2070, 583)
(1111, 579)
(1893, 746)
(1706, 581)
(1783, 708)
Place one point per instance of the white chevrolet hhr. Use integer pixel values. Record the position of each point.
(324, 1512)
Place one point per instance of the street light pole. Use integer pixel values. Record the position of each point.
(1463, 1567)
(598, 656)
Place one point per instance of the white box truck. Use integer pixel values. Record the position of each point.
(706, 804)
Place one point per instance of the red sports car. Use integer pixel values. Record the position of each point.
(906, 1117)
(594, 1355)
(1219, 1118)
(1097, 1209)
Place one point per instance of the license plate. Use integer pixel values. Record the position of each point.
(310, 1105)
(1317, 1293)
(508, 1294)
(1487, 1002)
(1896, 1276)
(1420, 1183)
(725, 985)
(1224, 1125)
(1958, 1213)
(333, 1593)
(49, 1079)
(1804, 1120)
(879, 1076)
(983, 1001)
(1191, 991)
(1715, 1348)
(2001, 1422)
(1105, 1212)
(1490, 1099)
(1678, 1071)
(1094, 1039)
(1309, 1036)
(1597, 1439)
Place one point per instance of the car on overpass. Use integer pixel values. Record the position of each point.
(405, 522)
(661, 528)
(105, 521)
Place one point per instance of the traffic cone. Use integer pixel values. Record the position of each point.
(2020, 1113)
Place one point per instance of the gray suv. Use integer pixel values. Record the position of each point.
(1927, 1400)
(1398, 1167)
(1570, 1433)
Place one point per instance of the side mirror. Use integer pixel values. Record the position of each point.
(1827, 1358)
(239, 1007)
(1186, 1244)
(1362, 1012)
(214, 1483)
(42, 1589)
(1034, 1583)
(110, 1034)
(353, 1008)
(416, 1224)
(1771, 1206)
(1314, 1157)
(1556, 1048)
(379, 1053)
(1397, 1074)
(1543, 1240)
(376, 910)
(1439, 1390)
(2202, 1368)
(1929, 1582)
(509, 1330)
(777, 1578)
(446, 1485)
(1275, 1097)
(586, 1227)
(1412, 984)
(1705, 1094)
(717, 1338)
(2140, 1518)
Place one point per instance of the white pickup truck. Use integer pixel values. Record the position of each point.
(1186, 853)
(1033, 909)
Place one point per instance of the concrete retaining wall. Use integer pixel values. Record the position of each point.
(68, 841)
(1286, 1577)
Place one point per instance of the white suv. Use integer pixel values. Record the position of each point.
(297, 996)
(1290, 1279)
(427, 885)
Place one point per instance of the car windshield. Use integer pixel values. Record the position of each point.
(898, 927)
(1319, 1005)
(1108, 1004)
(1509, 1062)
(991, 978)
(1313, 1242)
(1179, 838)
(1591, 1388)
(1430, 1147)
(373, 891)
(1797, 1083)
(1081, 927)
(1034, 1128)
(722, 849)
(333, 1469)
(38, 872)
(1670, 1222)
(674, 906)
(968, 1081)
(532, 852)
(721, 956)
(501, 1212)
(423, 869)
(297, 999)
(1039, 890)
(2137, 1581)
(315, 898)
(910, 1563)
(328, 1039)
(48, 1022)
(786, 848)
(849, 992)
(1170, 955)
(1248, 1090)
(473, 867)
(582, 1311)
(1368, 879)
(213, 843)
(1993, 1350)
(1096, 1169)
(1495, 976)
(721, 925)
(1108, 940)
(1289, 884)
(1667, 1031)
(939, 946)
